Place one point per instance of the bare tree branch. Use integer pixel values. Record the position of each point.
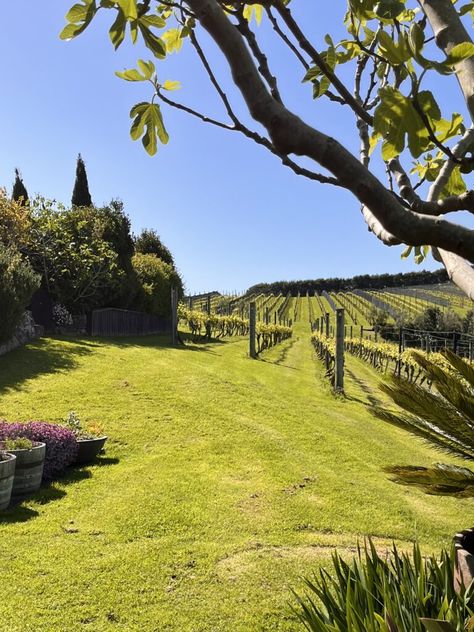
(305, 45)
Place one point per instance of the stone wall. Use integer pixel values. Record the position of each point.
(26, 331)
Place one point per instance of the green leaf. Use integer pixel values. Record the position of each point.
(395, 53)
(148, 123)
(253, 9)
(147, 68)
(79, 18)
(173, 40)
(416, 38)
(117, 30)
(171, 85)
(129, 8)
(389, 9)
(152, 42)
(395, 119)
(455, 185)
(460, 52)
(130, 75)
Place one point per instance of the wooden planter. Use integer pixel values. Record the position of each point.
(7, 472)
(464, 558)
(29, 469)
(88, 449)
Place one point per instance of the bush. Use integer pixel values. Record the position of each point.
(17, 284)
(156, 278)
(61, 444)
(378, 592)
(148, 242)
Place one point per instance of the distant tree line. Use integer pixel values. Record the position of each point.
(362, 282)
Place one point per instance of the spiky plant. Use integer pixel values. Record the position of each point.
(440, 480)
(386, 592)
(443, 415)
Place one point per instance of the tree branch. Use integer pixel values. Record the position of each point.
(289, 134)
(305, 45)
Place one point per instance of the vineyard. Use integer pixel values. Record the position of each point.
(381, 327)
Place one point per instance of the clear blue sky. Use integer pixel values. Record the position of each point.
(230, 213)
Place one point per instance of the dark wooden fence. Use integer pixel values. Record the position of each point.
(123, 322)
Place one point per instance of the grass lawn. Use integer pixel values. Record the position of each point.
(225, 479)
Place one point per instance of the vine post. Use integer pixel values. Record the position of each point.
(339, 354)
(326, 328)
(252, 329)
(174, 316)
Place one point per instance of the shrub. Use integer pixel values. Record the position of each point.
(379, 592)
(17, 284)
(156, 278)
(148, 242)
(61, 444)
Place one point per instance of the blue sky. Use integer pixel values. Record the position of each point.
(230, 213)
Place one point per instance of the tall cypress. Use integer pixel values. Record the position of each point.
(19, 192)
(81, 195)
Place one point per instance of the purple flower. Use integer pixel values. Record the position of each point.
(61, 444)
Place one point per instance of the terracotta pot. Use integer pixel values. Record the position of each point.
(464, 558)
(89, 449)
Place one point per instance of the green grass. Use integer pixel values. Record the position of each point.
(225, 480)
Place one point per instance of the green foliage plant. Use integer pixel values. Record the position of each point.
(156, 279)
(20, 443)
(17, 285)
(148, 242)
(443, 415)
(385, 592)
(74, 424)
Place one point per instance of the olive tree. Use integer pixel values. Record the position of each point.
(393, 48)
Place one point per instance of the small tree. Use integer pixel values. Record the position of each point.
(19, 192)
(80, 194)
(148, 242)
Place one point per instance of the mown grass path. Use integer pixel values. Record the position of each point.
(225, 480)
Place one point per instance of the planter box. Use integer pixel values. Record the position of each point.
(464, 560)
(7, 472)
(29, 469)
(89, 449)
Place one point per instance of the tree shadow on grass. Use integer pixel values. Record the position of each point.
(44, 355)
(188, 343)
(49, 492)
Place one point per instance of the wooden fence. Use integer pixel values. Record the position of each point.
(123, 322)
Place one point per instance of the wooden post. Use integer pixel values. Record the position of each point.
(361, 332)
(275, 317)
(339, 374)
(174, 316)
(267, 316)
(351, 331)
(253, 323)
(208, 305)
(326, 324)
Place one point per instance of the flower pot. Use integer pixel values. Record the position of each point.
(464, 558)
(29, 469)
(88, 449)
(7, 471)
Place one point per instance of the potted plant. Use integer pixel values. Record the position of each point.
(7, 471)
(90, 440)
(29, 464)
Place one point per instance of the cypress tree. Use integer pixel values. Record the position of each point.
(19, 192)
(81, 195)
